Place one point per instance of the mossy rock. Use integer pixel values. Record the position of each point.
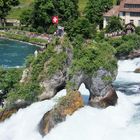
(66, 105)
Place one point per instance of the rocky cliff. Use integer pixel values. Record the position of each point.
(65, 64)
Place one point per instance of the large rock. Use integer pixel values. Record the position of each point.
(134, 54)
(7, 114)
(99, 86)
(137, 70)
(13, 108)
(67, 105)
(109, 99)
(53, 85)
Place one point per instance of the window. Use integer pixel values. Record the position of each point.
(135, 14)
(122, 13)
(132, 6)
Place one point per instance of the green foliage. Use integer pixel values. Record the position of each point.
(42, 12)
(9, 78)
(95, 9)
(30, 90)
(23, 38)
(52, 29)
(5, 7)
(40, 29)
(83, 27)
(125, 48)
(107, 79)
(100, 35)
(25, 17)
(126, 44)
(94, 56)
(24, 5)
(27, 92)
(114, 25)
(137, 30)
(82, 5)
(56, 63)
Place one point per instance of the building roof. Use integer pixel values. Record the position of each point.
(131, 1)
(113, 12)
(123, 9)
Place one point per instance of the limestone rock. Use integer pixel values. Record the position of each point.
(99, 86)
(24, 76)
(58, 81)
(110, 99)
(67, 105)
(8, 112)
(53, 85)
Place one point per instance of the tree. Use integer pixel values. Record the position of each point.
(5, 7)
(114, 24)
(82, 27)
(43, 10)
(95, 9)
(25, 18)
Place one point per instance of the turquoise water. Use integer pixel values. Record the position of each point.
(14, 53)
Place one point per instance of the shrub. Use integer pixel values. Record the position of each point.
(125, 48)
(40, 29)
(137, 30)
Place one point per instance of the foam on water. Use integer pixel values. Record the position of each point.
(112, 123)
(126, 71)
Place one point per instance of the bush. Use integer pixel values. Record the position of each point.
(9, 78)
(137, 30)
(114, 25)
(40, 29)
(82, 27)
(52, 29)
(125, 48)
(93, 56)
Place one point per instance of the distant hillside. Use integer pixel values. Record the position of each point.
(16, 11)
(25, 4)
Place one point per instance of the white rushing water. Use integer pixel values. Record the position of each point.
(113, 123)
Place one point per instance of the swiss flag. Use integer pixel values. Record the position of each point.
(55, 19)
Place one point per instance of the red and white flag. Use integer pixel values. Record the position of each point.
(55, 19)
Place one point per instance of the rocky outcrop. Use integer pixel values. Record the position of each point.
(109, 99)
(53, 85)
(9, 111)
(102, 93)
(67, 105)
(24, 76)
(133, 54)
(137, 70)
(58, 81)
(7, 114)
(72, 75)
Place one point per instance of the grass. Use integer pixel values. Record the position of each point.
(16, 11)
(25, 4)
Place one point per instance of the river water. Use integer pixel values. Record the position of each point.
(121, 122)
(13, 53)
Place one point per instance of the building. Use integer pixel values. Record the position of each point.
(128, 11)
(12, 22)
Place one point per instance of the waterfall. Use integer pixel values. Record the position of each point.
(120, 122)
